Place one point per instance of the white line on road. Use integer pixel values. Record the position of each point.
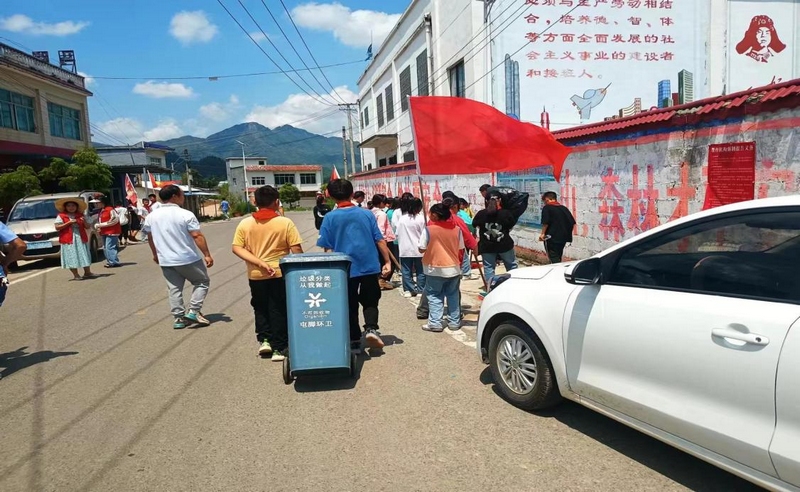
(15, 281)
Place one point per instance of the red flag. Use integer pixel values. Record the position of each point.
(454, 135)
(130, 191)
(334, 174)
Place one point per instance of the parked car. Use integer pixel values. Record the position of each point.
(689, 332)
(32, 219)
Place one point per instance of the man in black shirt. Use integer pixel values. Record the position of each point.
(557, 224)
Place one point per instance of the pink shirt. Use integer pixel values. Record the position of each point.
(383, 224)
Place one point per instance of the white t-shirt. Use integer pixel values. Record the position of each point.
(170, 228)
(155, 206)
(122, 212)
(409, 231)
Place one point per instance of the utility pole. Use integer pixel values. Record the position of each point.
(344, 149)
(188, 161)
(349, 108)
(244, 170)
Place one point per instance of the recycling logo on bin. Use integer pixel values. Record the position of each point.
(313, 315)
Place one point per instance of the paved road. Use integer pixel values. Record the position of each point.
(100, 393)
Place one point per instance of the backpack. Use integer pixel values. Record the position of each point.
(512, 200)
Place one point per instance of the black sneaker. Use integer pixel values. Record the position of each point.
(373, 338)
(355, 347)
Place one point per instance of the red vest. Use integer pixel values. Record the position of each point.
(65, 234)
(105, 216)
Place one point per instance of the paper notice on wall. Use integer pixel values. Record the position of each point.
(731, 174)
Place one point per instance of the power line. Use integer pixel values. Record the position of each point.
(267, 54)
(229, 76)
(309, 50)
(325, 89)
(269, 40)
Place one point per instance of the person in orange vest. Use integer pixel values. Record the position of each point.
(110, 228)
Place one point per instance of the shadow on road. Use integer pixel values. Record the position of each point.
(17, 360)
(681, 467)
(216, 318)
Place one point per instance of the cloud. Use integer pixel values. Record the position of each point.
(87, 79)
(192, 27)
(161, 90)
(302, 111)
(258, 36)
(351, 27)
(24, 24)
(131, 130)
(219, 112)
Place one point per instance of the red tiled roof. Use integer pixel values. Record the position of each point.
(303, 167)
(784, 95)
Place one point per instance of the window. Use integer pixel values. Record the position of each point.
(262, 163)
(408, 156)
(308, 178)
(16, 112)
(457, 82)
(752, 255)
(379, 109)
(389, 103)
(362, 119)
(405, 88)
(366, 116)
(422, 74)
(64, 122)
(258, 180)
(381, 162)
(393, 159)
(155, 161)
(282, 179)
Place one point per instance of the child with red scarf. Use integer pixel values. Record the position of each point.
(110, 229)
(73, 237)
(441, 246)
(261, 241)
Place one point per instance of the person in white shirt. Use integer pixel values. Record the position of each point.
(410, 225)
(124, 221)
(154, 203)
(175, 237)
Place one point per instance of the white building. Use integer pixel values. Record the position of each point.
(436, 48)
(307, 178)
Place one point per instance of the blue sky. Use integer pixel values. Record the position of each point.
(152, 39)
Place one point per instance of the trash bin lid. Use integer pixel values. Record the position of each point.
(305, 258)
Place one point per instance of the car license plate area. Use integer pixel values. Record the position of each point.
(39, 245)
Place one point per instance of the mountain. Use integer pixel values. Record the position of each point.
(282, 145)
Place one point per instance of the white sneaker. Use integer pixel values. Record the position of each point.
(278, 355)
(406, 294)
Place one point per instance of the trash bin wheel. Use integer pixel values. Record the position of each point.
(353, 360)
(287, 374)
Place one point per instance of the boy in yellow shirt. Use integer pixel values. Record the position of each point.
(261, 241)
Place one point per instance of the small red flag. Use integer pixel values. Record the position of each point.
(454, 135)
(334, 174)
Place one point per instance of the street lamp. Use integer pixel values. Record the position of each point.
(244, 169)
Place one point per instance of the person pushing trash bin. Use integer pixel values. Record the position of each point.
(354, 231)
(261, 241)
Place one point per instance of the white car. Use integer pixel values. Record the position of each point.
(689, 332)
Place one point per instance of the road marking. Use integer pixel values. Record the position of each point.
(15, 281)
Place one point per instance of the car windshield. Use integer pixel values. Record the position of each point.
(34, 210)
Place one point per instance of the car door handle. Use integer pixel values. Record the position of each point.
(751, 338)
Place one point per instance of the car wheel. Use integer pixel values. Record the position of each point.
(521, 369)
(94, 250)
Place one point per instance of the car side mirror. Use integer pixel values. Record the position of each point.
(586, 272)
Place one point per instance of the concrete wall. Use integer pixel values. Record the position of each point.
(618, 186)
(43, 92)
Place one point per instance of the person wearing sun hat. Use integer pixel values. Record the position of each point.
(73, 236)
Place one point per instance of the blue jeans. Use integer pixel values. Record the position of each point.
(509, 259)
(407, 263)
(437, 289)
(466, 264)
(111, 243)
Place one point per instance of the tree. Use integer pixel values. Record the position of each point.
(52, 175)
(87, 172)
(19, 183)
(289, 194)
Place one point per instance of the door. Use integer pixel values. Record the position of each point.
(686, 329)
(785, 449)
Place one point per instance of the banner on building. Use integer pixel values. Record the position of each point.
(731, 174)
